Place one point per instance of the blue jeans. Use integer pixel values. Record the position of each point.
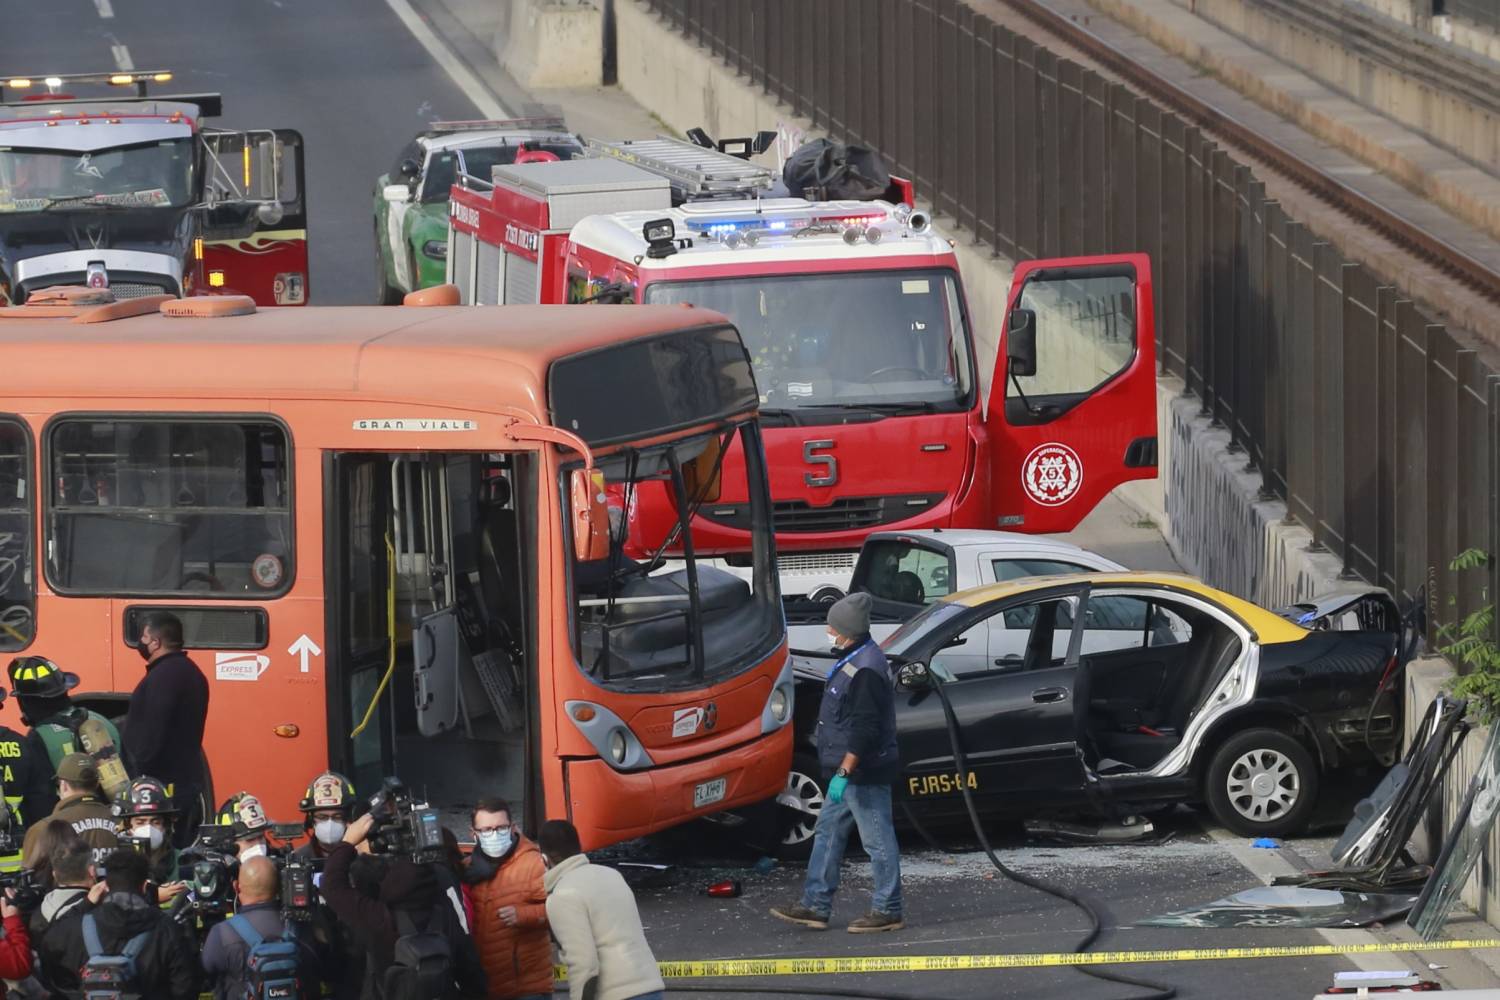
(869, 808)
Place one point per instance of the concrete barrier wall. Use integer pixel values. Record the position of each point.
(547, 43)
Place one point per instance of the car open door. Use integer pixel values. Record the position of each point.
(1072, 409)
(255, 225)
(1015, 715)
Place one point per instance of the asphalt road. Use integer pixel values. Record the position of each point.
(957, 904)
(347, 74)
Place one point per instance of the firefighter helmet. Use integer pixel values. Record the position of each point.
(143, 797)
(329, 790)
(40, 677)
(243, 812)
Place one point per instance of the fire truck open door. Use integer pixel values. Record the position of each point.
(1072, 410)
(255, 225)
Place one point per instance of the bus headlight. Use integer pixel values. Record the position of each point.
(781, 705)
(608, 734)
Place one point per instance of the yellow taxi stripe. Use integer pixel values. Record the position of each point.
(730, 968)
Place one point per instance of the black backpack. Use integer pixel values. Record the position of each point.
(422, 966)
(270, 966)
(110, 977)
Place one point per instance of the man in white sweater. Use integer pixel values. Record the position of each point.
(593, 916)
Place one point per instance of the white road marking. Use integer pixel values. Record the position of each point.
(105, 10)
(123, 61)
(460, 74)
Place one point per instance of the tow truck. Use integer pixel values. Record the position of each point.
(876, 411)
(138, 194)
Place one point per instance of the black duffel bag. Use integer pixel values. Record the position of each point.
(824, 170)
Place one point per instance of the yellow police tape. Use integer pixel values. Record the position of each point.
(740, 967)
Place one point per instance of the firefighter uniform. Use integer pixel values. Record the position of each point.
(41, 688)
(26, 777)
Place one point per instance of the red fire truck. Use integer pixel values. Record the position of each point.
(878, 400)
(139, 194)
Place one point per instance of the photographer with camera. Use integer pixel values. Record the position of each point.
(257, 953)
(327, 807)
(15, 942)
(146, 813)
(416, 944)
(126, 944)
(81, 805)
(77, 891)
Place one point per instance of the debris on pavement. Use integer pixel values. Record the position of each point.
(1463, 847)
(1268, 843)
(1290, 906)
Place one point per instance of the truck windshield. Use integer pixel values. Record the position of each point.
(874, 339)
(146, 175)
(654, 615)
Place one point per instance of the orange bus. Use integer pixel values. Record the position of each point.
(386, 535)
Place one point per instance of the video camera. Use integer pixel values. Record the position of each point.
(28, 889)
(404, 826)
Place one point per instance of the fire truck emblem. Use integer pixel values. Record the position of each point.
(1052, 474)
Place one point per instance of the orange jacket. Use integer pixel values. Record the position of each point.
(517, 960)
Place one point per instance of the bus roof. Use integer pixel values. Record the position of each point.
(482, 357)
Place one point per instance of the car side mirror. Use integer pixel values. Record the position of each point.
(914, 676)
(396, 193)
(410, 168)
(1020, 343)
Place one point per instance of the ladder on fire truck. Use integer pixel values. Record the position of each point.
(695, 172)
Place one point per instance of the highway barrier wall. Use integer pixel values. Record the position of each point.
(1314, 426)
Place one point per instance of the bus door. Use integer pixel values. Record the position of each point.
(1072, 409)
(434, 644)
(255, 229)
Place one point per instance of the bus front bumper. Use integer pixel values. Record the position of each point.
(608, 806)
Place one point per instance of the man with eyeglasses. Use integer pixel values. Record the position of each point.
(504, 876)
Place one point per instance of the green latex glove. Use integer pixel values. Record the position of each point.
(836, 788)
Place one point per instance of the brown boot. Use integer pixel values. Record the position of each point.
(799, 914)
(874, 922)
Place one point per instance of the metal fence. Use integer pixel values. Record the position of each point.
(1367, 418)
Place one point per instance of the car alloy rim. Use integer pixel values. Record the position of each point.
(803, 796)
(1263, 785)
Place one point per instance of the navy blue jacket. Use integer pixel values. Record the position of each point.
(858, 716)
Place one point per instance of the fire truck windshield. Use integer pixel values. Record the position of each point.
(145, 175)
(878, 339)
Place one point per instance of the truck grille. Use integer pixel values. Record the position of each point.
(136, 289)
(815, 562)
(845, 514)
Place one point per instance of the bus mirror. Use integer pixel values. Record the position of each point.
(1020, 343)
(701, 479)
(590, 515)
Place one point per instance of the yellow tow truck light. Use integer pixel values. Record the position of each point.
(245, 157)
(216, 279)
(122, 79)
(19, 83)
(162, 77)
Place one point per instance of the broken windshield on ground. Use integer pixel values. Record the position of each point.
(1464, 846)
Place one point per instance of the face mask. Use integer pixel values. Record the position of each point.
(494, 843)
(329, 831)
(253, 851)
(153, 835)
(144, 651)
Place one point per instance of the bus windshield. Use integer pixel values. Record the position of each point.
(876, 339)
(146, 175)
(652, 622)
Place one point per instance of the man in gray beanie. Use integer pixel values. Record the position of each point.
(857, 747)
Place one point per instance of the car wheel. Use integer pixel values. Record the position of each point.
(1262, 783)
(385, 295)
(801, 801)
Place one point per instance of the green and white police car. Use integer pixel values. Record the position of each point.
(411, 201)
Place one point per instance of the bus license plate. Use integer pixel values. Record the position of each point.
(709, 792)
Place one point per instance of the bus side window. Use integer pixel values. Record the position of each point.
(17, 584)
(153, 505)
